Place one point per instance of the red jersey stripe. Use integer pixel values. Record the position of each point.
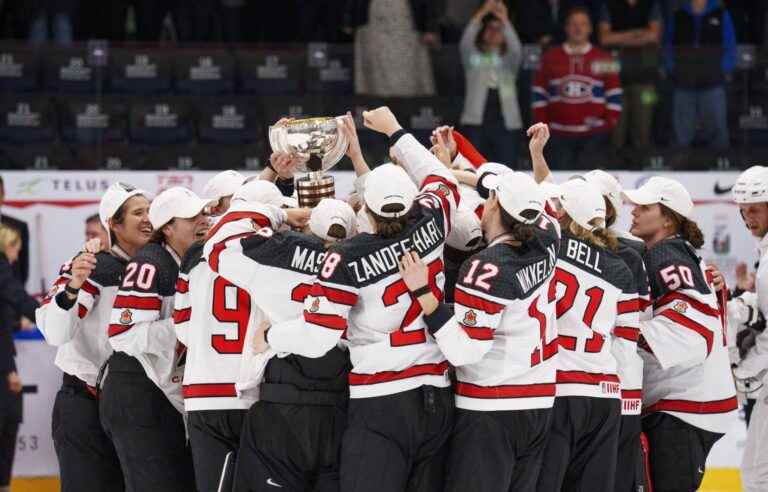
(213, 259)
(115, 330)
(260, 219)
(627, 333)
(631, 394)
(210, 390)
(506, 391)
(136, 302)
(474, 302)
(384, 377)
(687, 406)
(337, 296)
(691, 325)
(331, 321)
(478, 332)
(631, 306)
(568, 343)
(90, 288)
(182, 315)
(581, 377)
(82, 311)
(679, 296)
(182, 286)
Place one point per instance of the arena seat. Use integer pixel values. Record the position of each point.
(20, 69)
(27, 119)
(330, 69)
(161, 121)
(92, 120)
(231, 120)
(141, 71)
(274, 72)
(68, 70)
(204, 72)
(38, 157)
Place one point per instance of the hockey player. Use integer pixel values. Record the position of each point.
(220, 188)
(74, 317)
(401, 407)
(630, 470)
(595, 300)
(141, 405)
(291, 436)
(688, 393)
(751, 194)
(502, 340)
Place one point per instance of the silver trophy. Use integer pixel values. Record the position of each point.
(320, 145)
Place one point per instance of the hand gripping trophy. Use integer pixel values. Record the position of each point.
(320, 145)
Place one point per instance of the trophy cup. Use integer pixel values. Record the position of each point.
(320, 145)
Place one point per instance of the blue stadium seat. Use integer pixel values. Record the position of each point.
(27, 119)
(271, 72)
(160, 121)
(93, 120)
(141, 71)
(330, 69)
(68, 71)
(228, 121)
(204, 72)
(19, 69)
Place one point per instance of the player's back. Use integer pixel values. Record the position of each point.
(390, 349)
(590, 285)
(518, 372)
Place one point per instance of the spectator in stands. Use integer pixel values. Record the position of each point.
(392, 40)
(21, 267)
(700, 52)
(635, 27)
(94, 229)
(50, 20)
(578, 93)
(14, 303)
(541, 21)
(491, 53)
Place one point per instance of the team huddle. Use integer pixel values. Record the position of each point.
(453, 325)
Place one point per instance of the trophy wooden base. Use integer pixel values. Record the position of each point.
(310, 190)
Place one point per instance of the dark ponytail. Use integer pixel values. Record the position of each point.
(686, 228)
(521, 232)
(389, 227)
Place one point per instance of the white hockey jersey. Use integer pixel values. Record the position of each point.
(687, 370)
(502, 337)
(79, 329)
(212, 315)
(141, 324)
(359, 291)
(596, 302)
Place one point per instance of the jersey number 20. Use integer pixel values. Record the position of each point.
(392, 294)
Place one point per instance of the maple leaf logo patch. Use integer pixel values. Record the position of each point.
(315, 307)
(126, 317)
(470, 318)
(681, 307)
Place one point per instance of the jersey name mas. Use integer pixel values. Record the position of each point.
(141, 324)
(79, 331)
(596, 302)
(687, 371)
(359, 292)
(502, 337)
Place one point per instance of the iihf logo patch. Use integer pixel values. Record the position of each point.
(443, 190)
(126, 317)
(681, 307)
(315, 307)
(470, 318)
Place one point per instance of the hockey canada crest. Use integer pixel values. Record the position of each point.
(126, 317)
(443, 190)
(470, 318)
(315, 307)
(681, 307)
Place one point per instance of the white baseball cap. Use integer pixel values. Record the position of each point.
(751, 186)
(518, 194)
(332, 212)
(467, 232)
(260, 191)
(226, 183)
(608, 186)
(389, 186)
(665, 191)
(583, 203)
(114, 198)
(176, 202)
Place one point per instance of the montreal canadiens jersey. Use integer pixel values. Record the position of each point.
(502, 337)
(359, 292)
(79, 330)
(596, 302)
(687, 370)
(630, 364)
(141, 324)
